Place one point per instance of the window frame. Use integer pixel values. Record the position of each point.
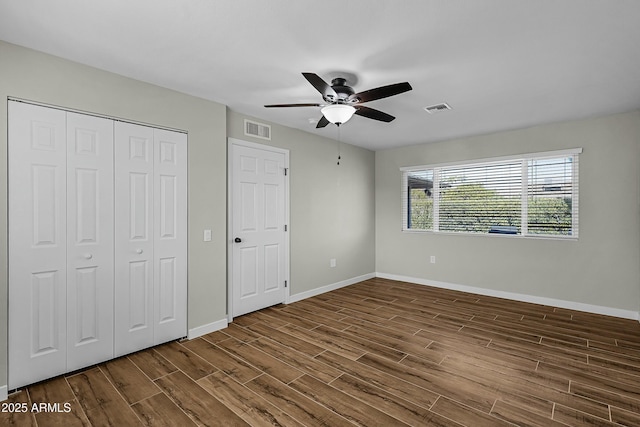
(524, 159)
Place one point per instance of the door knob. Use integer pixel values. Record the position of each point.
(139, 251)
(88, 256)
(237, 240)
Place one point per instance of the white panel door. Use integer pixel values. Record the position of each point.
(258, 220)
(134, 223)
(170, 235)
(37, 243)
(90, 240)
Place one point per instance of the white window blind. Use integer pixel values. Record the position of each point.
(534, 195)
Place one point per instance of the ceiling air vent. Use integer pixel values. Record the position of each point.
(432, 109)
(258, 130)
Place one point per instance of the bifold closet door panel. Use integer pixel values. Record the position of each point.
(170, 235)
(134, 228)
(90, 240)
(37, 243)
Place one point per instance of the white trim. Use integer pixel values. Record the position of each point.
(199, 331)
(571, 305)
(328, 288)
(287, 218)
(525, 156)
(4, 393)
(90, 113)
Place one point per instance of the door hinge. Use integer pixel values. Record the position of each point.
(285, 283)
(285, 171)
(285, 227)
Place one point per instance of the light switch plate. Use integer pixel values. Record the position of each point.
(207, 235)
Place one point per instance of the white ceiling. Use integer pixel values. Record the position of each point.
(500, 64)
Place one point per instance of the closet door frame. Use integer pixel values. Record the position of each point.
(70, 336)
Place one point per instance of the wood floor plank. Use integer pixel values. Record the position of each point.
(409, 345)
(584, 374)
(600, 395)
(261, 360)
(318, 317)
(248, 405)
(574, 417)
(20, 415)
(295, 404)
(215, 337)
(236, 368)
(466, 415)
(160, 411)
(361, 343)
(625, 418)
(152, 363)
(290, 318)
(192, 399)
(397, 386)
(92, 389)
(389, 403)
(101, 403)
(288, 340)
(54, 390)
(74, 417)
(132, 384)
(240, 333)
(342, 404)
(438, 380)
(493, 372)
(321, 340)
(521, 417)
(300, 361)
(185, 360)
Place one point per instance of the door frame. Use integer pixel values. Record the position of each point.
(230, 143)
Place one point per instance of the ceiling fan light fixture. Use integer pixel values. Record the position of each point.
(338, 113)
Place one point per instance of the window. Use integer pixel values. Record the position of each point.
(533, 195)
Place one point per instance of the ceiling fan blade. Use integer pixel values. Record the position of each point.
(371, 113)
(380, 92)
(292, 105)
(323, 87)
(322, 122)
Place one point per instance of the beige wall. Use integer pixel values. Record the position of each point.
(332, 207)
(601, 268)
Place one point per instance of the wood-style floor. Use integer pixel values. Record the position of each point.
(378, 353)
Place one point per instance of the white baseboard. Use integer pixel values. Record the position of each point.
(328, 288)
(207, 329)
(571, 305)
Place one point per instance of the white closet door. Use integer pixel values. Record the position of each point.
(170, 235)
(90, 240)
(37, 243)
(134, 225)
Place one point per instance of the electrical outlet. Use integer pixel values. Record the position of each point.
(433, 259)
(332, 262)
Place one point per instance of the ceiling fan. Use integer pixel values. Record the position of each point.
(341, 101)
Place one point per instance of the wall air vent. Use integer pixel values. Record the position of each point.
(432, 109)
(258, 130)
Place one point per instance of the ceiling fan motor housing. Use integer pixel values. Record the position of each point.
(339, 85)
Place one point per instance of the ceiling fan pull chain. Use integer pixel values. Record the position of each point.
(339, 143)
